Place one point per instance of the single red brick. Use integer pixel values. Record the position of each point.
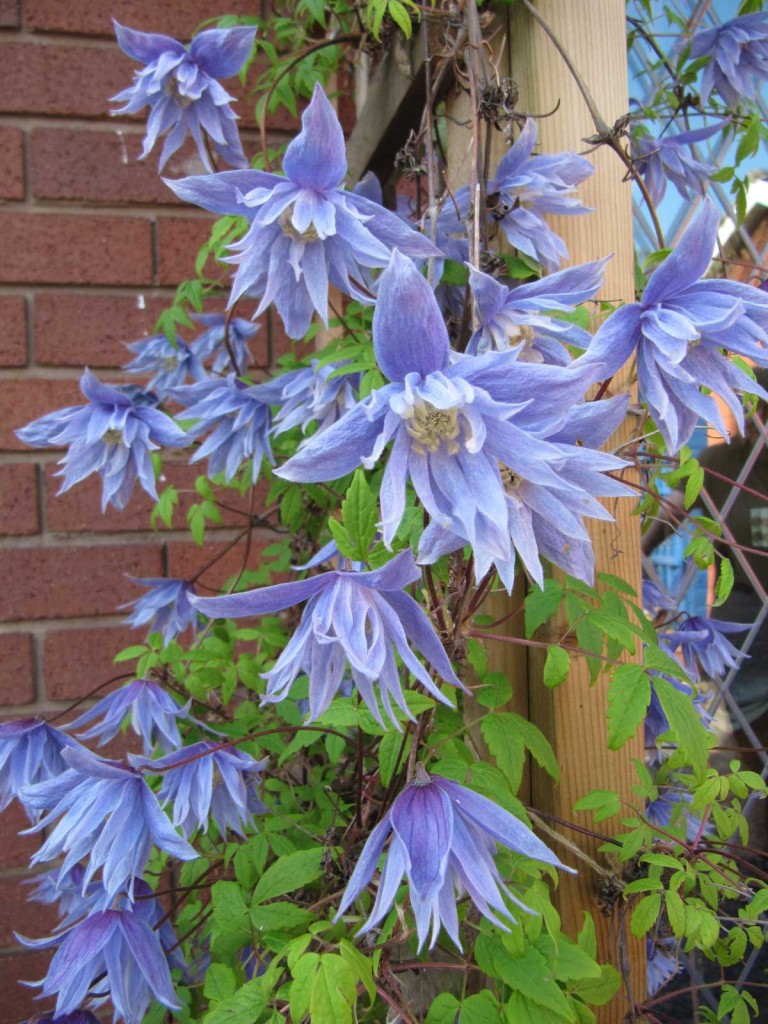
(49, 78)
(178, 241)
(77, 661)
(11, 161)
(19, 1002)
(79, 509)
(19, 506)
(169, 17)
(18, 914)
(10, 14)
(67, 249)
(25, 400)
(60, 583)
(15, 849)
(13, 330)
(71, 329)
(103, 166)
(17, 673)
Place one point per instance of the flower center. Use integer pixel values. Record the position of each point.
(430, 427)
(522, 332)
(173, 89)
(286, 226)
(510, 480)
(112, 436)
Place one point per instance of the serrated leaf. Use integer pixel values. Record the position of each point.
(725, 581)
(684, 722)
(646, 914)
(288, 873)
(231, 922)
(129, 653)
(389, 752)
(443, 1009)
(481, 1008)
(599, 992)
(556, 667)
(334, 990)
(244, 1007)
(506, 746)
(629, 694)
(495, 691)
(360, 513)
(603, 803)
(675, 912)
(693, 485)
(220, 982)
(360, 964)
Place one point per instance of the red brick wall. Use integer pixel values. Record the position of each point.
(92, 245)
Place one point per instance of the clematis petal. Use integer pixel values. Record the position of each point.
(316, 158)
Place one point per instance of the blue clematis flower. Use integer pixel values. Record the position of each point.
(468, 435)
(30, 752)
(113, 436)
(669, 158)
(206, 780)
(514, 319)
(179, 84)
(170, 364)
(527, 187)
(656, 721)
(305, 229)
(358, 618)
(108, 814)
(212, 342)
(239, 418)
(661, 967)
(73, 900)
(656, 599)
(443, 839)
(739, 52)
(310, 395)
(114, 951)
(166, 608)
(704, 646)
(678, 331)
(153, 714)
(672, 808)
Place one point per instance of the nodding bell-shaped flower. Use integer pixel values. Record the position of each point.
(30, 752)
(669, 158)
(165, 608)
(739, 52)
(305, 230)
(443, 840)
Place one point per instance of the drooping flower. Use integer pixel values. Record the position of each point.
(656, 721)
(170, 364)
(739, 52)
(467, 434)
(30, 752)
(213, 342)
(669, 158)
(678, 331)
(661, 967)
(108, 815)
(527, 187)
(360, 619)
(443, 839)
(179, 84)
(113, 950)
(113, 436)
(166, 608)
(239, 418)
(514, 319)
(311, 395)
(705, 647)
(672, 808)
(305, 229)
(655, 598)
(153, 714)
(206, 780)
(74, 900)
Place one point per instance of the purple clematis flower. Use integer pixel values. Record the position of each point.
(179, 84)
(661, 967)
(656, 599)
(527, 187)
(113, 436)
(678, 332)
(467, 434)
(705, 647)
(213, 342)
(206, 780)
(359, 618)
(672, 807)
(165, 608)
(443, 838)
(310, 395)
(514, 319)
(170, 364)
(739, 52)
(74, 902)
(30, 752)
(153, 713)
(305, 229)
(114, 950)
(239, 418)
(656, 721)
(108, 814)
(669, 158)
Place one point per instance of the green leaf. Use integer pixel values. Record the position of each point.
(505, 746)
(129, 653)
(399, 15)
(556, 667)
(334, 990)
(220, 982)
(675, 912)
(646, 914)
(360, 513)
(541, 605)
(231, 922)
(604, 803)
(567, 960)
(684, 722)
(598, 993)
(629, 694)
(620, 630)
(724, 584)
(495, 691)
(482, 1008)
(693, 485)
(389, 751)
(303, 970)
(443, 1010)
(288, 873)
(244, 1007)
(361, 965)
(280, 917)
(587, 937)
(529, 975)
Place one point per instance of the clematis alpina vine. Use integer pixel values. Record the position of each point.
(360, 619)
(678, 331)
(305, 230)
(443, 838)
(179, 85)
(467, 434)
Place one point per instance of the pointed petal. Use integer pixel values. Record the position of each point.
(222, 192)
(336, 451)
(316, 158)
(145, 46)
(689, 260)
(264, 601)
(221, 52)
